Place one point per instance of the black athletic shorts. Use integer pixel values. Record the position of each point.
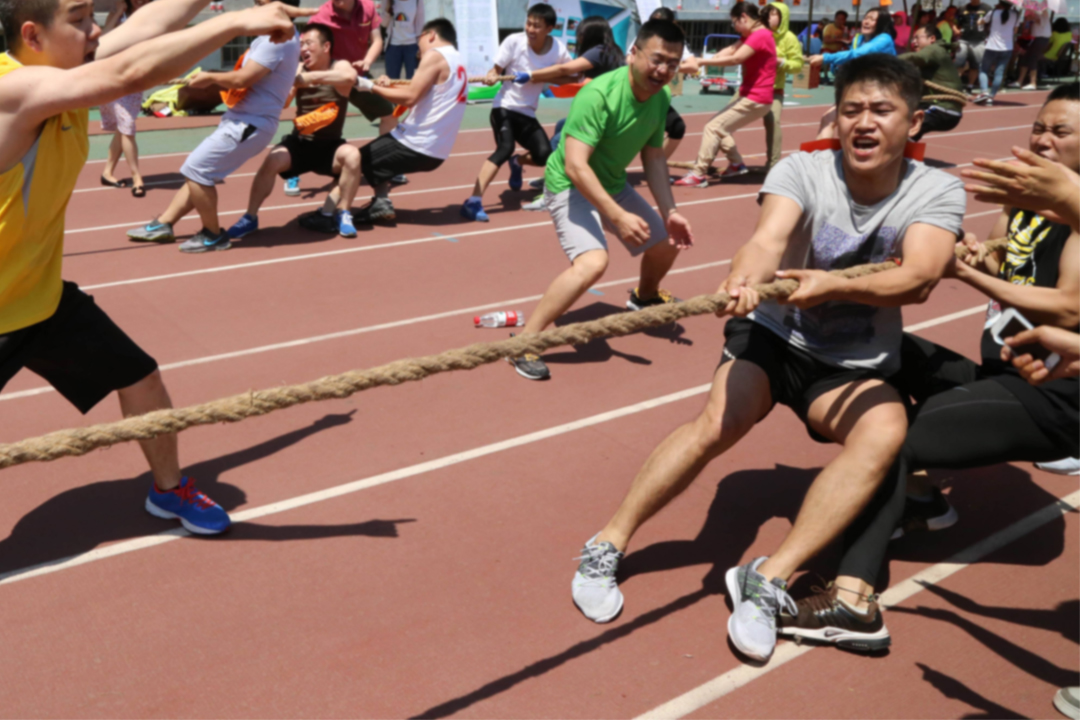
(512, 128)
(384, 157)
(78, 350)
(310, 155)
(370, 105)
(674, 125)
(796, 378)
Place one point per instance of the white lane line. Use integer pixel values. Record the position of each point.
(363, 330)
(722, 685)
(140, 543)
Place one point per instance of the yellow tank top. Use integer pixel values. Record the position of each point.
(33, 199)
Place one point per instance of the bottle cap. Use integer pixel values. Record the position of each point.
(476, 320)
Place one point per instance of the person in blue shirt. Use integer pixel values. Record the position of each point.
(877, 35)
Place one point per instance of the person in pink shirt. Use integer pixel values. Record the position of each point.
(756, 52)
(357, 39)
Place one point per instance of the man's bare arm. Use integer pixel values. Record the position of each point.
(162, 17)
(341, 76)
(245, 77)
(432, 65)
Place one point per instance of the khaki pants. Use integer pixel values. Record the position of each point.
(718, 132)
(774, 136)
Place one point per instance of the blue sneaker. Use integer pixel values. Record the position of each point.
(204, 242)
(474, 210)
(292, 186)
(515, 174)
(345, 224)
(244, 226)
(195, 511)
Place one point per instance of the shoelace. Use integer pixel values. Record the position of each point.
(600, 564)
(770, 599)
(823, 597)
(189, 494)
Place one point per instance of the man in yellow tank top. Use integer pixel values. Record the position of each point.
(55, 69)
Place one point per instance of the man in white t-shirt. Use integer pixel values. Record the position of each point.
(266, 78)
(513, 117)
(421, 143)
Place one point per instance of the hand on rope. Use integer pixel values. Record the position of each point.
(79, 441)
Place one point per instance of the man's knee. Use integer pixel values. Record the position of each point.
(591, 265)
(349, 157)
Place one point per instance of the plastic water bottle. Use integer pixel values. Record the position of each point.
(500, 319)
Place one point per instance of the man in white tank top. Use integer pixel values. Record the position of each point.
(424, 140)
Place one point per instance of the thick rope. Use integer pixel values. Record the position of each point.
(80, 441)
(472, 80)
(945, 93)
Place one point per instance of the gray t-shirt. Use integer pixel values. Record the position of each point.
(264, 101)
(836, 233)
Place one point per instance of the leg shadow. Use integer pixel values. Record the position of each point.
(953, 689)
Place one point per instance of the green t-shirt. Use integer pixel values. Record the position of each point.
(606, 116)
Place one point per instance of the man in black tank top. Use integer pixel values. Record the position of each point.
(316, 143)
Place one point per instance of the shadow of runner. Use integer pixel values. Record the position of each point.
(1064, 619)
(83, 518)
(952, 688)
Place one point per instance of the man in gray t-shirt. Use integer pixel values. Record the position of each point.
(827, 352)
(265, 79)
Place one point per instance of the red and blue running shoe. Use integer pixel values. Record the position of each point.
(195, 511)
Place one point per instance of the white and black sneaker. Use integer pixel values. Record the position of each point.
(594, 589)
(530, 366)
(756, 602)
(824, 618)
(923, 515)
(662, 297)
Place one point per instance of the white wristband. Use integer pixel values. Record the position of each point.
(364, 84)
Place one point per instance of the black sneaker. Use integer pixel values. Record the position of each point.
(318, 222)
(379, 209)
(937, 514)
(662, 297)
(824, 619)
(530, 366)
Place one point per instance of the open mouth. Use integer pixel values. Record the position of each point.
(864, 147)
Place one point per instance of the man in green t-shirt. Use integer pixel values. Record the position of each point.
(613, 118)
(935, 64)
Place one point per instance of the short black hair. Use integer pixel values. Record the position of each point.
(325, 32)
(294, 3)
(1061, 25)
(1068, 91)
(930, 30)
(839, 13)
(543, 11)
(443, 28)
(745, 8)
(884, 22)
(666, 30)
(15, 13)
(885, 70)
(663, 13)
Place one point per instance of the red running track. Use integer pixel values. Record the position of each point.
(409, 551)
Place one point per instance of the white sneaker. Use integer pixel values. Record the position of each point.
(594, 588)
(1065, 466)
(1030, 87)
(1067, 701)
(756, 602)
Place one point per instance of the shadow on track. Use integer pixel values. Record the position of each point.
(952, 688)
(83, 518)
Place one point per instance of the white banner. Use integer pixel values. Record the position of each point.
(645, 8)
(477, 25)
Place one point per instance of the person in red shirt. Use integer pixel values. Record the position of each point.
(756, 52)
(357, 39)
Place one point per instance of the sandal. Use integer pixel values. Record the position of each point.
(139, 191)
(114, 183)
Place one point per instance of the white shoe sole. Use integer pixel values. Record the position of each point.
(939, 523)
(1064, 706)
(864, 642)
(731, 579)
(291, 193)
(166, 515)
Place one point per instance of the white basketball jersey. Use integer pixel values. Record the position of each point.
(433, 123)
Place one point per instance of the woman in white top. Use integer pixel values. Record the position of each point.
(404, 21)
(999, 47)
(1032, 55)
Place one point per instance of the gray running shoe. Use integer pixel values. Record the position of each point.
(153, 231)
(205, 242)
(594, 588)
(537, 204)
(756, 602)
(537, 184)
(379, 209)
(1067, 701)
(530, 366)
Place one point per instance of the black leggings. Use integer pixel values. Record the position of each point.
(511, 129)
(972, 425)
(674, 125)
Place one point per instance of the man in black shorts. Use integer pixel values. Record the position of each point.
(317, 144)
(513, 117)
(826, 352)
